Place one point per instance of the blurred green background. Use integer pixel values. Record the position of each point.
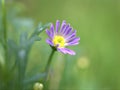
(96, 65)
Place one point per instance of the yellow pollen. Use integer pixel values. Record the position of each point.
(59, 40)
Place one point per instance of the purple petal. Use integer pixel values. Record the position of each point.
(57, 25)
(72, 37)
(73, 40)
(49, 42)
(66, 51)
(73, 34)
(71, 44)
(66, 29)
(52, 29)
(63, 26)
(50, 35)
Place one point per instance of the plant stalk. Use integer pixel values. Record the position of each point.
(4, 27)
(48, 63)
(49, 60)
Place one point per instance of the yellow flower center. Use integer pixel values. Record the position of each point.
(59, 40)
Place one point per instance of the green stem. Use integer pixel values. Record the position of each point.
(4, 27)
(48, 64)
(49, 60)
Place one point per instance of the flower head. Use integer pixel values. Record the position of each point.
(62, 36)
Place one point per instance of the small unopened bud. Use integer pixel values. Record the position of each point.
(38, 86)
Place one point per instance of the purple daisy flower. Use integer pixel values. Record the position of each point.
(62, 36)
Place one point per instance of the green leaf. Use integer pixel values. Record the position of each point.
(12, 45)
(40, 28)
(35, 78)
(23, 39)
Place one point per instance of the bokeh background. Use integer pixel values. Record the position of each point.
(96, 66)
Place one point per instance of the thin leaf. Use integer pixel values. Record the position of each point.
(39, 29)
(23, 38)
(34, 78)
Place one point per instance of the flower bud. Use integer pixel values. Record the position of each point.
(38, 86)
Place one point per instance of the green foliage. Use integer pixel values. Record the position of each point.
(13, 67)
(21, 53)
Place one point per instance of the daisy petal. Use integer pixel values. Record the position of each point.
(71, 44)
(52, 29)
(57, 25)
(66, 51)
(49, 34)
(49, 42)
(72, 35)
(73, 40)
(62, 26)
(66, 29)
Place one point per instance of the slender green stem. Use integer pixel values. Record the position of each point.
(4, 27)
(48, 64)
(49, 60)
